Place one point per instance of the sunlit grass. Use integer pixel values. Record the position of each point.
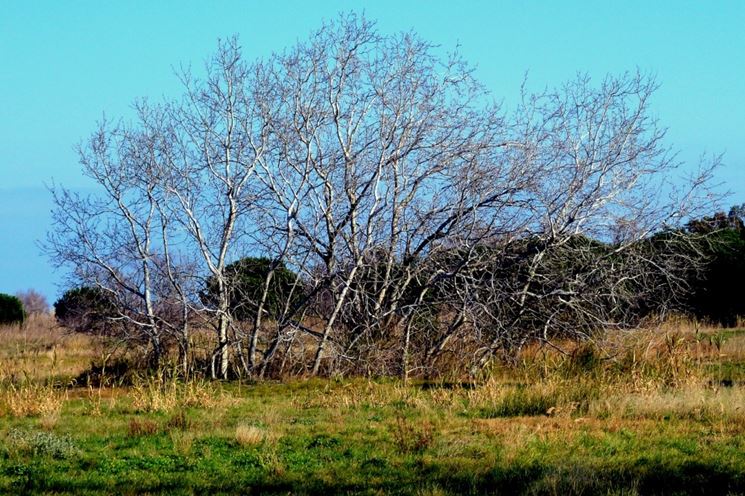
(640, 413)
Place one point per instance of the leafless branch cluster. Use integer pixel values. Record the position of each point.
(34, 303)
(420, 221)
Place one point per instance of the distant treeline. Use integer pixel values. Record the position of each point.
(716, 289)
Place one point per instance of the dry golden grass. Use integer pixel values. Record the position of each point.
(41, 349)
(27, 399)
(249, 435)
(692, 402)
(164, 393)
(49, 421)
(620, 379)
(36, 361)
(657, 372)
(610, 401)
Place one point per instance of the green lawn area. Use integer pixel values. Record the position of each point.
(362, 437)
(665, 415)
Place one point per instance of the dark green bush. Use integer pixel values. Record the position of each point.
(246, 279)
(715, 292)
(585, 359)
(11, 310)
(85, 309)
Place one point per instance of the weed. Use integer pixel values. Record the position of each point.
(164, 393)
(29, 399)
(521, 401)
(142, 428)
(410, 437)
(49, 421)
(249, 435)
(179, 421)
(182, 442)
(40, 443)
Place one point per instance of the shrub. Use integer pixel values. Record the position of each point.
(246, 279)
(409, 437)
(139, 428)
(521, 401)
(41, 443)
(85, 309)
(585, 359)
(11, 310)
(715, 295)
(179, 421)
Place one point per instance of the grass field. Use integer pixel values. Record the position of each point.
(654, 412)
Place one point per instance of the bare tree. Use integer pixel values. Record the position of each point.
(175, 191)
(108, 239)
(395, 176)
(420, 218)
(601, 169)
(214, 147)
(34, 303)
(380, 152)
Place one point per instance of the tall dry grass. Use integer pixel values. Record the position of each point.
(40, 349)
(676, 369)
(31, 358)
(671, 371)
(166, 392)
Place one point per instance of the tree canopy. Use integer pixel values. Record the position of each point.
(417, 215)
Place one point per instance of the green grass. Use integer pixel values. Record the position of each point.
(662, 422)
(729, 333)
(360, 437)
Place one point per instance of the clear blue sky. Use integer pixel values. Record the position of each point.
(63, 64)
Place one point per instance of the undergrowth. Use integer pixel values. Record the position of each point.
(633, 413)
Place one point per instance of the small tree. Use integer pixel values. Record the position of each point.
(257, 289)
(85, 309)
(34, 303)
(11, 310)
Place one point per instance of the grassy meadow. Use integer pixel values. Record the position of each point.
(646, 412)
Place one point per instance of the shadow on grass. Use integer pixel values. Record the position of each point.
(429, 385)
(640, 477)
